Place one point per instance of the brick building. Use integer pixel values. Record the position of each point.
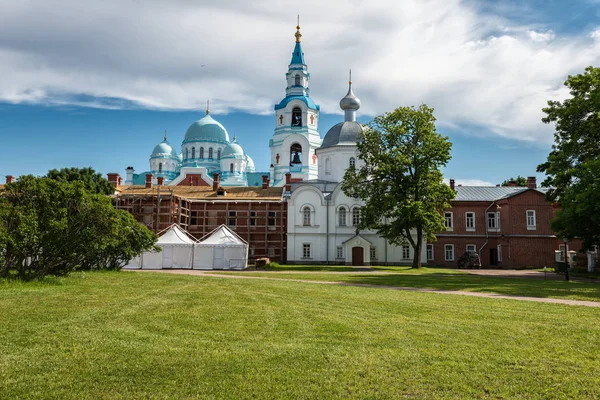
(508, 226)
(257, 214)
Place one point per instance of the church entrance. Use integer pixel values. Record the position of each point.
(358, 256)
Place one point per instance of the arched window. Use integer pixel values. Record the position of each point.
(159, 167)
(297, 117)
(210, 153)
(342, 217)
(218, 154)
(231, 168)
(355, 216)
(186, 153)
(297, 80)
(295, 154)
(202, 153)
(352, 162)
(306, 216)
(327, 166)
(193, 152)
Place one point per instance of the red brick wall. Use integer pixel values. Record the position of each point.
(193, 180)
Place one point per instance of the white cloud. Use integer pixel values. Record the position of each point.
(475, 69)
(469, 182)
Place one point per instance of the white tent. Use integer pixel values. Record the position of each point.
(177, 251)
(221, 249)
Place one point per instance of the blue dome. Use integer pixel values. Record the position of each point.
(250, 166)
(233, 150)
(206, 129)
(164, 149)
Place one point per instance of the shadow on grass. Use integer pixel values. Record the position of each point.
(311, 268)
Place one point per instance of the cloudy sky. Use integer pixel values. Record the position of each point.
(97, 82)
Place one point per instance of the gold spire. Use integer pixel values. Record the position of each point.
(298, 34)
(207, 107)
(350, 75)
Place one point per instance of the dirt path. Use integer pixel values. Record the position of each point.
(410, 289)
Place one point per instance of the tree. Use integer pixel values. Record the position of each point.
(519, 181)
(49, 227)
(572, 166)
(400, 181)
(92, 181)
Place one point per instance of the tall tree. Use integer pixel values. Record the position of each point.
(400, 181)
(572, 166)
(519, 181)
(92, 181)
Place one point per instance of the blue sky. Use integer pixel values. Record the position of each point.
(97, 83)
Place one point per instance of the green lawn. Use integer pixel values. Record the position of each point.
(446, 279)
(345, 268)
(151, 335)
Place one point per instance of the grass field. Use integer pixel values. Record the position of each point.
(440, 279)
(151, 335)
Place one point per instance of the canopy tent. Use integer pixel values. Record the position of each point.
(177, 251)
(221, 249)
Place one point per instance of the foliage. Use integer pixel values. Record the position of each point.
(93, 182)
(469, 260)
(48, 227)
(519, 181)
(572, 166)
(399, 180)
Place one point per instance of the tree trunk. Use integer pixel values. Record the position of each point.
(417, 247)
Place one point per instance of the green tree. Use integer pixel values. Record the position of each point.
(572, 167)
(92, 181)
(519, 181)
(49, 227)
(400, 181)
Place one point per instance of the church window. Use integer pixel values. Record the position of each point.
(187, 154)
(202, 153)
(231, 168)
(373, 253)
(159, 167)
(297, 80)
(340, 252)
(355, 216)
(306, 250)
(327, 166)
(306, 216)
(297, 117)
(342, 216)
(193, 152)
(218, 154)
(210, 153)
(352, 162)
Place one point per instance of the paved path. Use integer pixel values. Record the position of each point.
(411, 289)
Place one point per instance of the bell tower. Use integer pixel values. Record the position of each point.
(296, 134)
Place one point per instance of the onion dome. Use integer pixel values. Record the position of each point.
(350, 102)
(233, 150)
(206, 129)
(344, 133)
(164, 149)
(250, 164)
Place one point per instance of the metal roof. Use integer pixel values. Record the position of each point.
(490, 193)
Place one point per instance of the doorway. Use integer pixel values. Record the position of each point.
(493, 257)
(358, 256)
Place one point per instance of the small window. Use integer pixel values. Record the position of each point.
(202, 153)
(218, 154)
(448, 220)
(231, 219)
(231, 168)
(406, 252)
(531, 222)
(429, 252)
(352, 162)
(499, 253)
(342, 216)
(193, 152)
(493, 221)
(306, 250)
(306, 216)
(159, 167)
(373, 253)
(449, 252)
(327, 166)
(272, 218)
(470, 221)
(194, 218)
(210, 153)
(355, 216)
(471, 248)
(252, 221)
(186, 153)
(297, 80)
(340, 252)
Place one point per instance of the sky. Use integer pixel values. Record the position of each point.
(97, 83)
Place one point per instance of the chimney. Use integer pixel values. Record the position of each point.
(129, 175)
(149, 181)
(216, 181)
(113, 178)
(531, 182)
(288, 181)
(512, 184)
(452, 184)
(497, 185)
(10, 179)
(120, 181)
(160, 181)
(265, 181)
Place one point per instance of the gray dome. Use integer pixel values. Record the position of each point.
(350, 101)
(347, 132)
